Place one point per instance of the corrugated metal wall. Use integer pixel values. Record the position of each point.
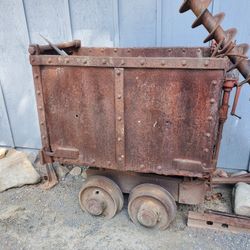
(103, 23)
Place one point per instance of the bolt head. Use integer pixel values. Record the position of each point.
(212, 100)
(159, 167)
(184, 62)
(207, 135)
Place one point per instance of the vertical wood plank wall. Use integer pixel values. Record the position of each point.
(111, 23)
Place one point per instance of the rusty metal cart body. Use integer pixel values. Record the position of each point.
(147, 121)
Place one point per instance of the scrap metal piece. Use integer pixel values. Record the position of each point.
(219, 221)
(51, 178)
(230, 180)
(224, 39)
(59, 51)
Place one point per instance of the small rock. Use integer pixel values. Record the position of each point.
(16, 170)
(84, 174)
(32, 156)
(61, 171)
(10, 213)
(242, 199)
(3, 152)
(76, 171)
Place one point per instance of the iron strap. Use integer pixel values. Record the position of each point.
(131, 62)
(119, 116)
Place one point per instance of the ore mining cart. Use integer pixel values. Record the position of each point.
(147, 121)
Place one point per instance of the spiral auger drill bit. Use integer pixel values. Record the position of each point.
(226, 45)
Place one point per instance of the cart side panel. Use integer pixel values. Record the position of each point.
(79, 107)
(171, 119)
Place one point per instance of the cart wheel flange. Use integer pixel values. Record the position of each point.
(151, 206)
(100, 196)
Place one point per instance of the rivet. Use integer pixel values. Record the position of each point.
(119, 159)
(119, 96)
(162, 62)
(115, 50)
(49, 60)
(38, 92)
(67, 60)
(214, 82)
(169, 50)
(43, 136)
(122, 62)
(184, 62)
(183, 50)
(139, 122)
(210, 118)
(119, 118)
(119, 139)
(159, 167)
(205, 150)
(102, 50)
(85, 61)
(198, 50)
(109, 163)
(122, 156)
(204, 164)
(42, 123)
(142, 62)
(40, 107)
(118, 72)
(93, 161)
(142, 166)
(206, 63)
(212, 100)
(137, 78)
(128, 50)
(104, 61)
(90, 50)
(32, 60)
(207, 134)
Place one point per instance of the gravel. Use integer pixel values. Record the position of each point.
(32, 218)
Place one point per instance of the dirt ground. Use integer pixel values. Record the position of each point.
(31, 218)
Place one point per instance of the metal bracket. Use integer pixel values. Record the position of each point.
(60, 152)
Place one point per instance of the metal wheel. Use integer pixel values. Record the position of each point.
(100, 196)
(152, 206)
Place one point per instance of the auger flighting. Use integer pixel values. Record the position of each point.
(226, 45)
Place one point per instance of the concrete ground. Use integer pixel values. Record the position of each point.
(31, 218)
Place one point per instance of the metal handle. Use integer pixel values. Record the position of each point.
(236, 99)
